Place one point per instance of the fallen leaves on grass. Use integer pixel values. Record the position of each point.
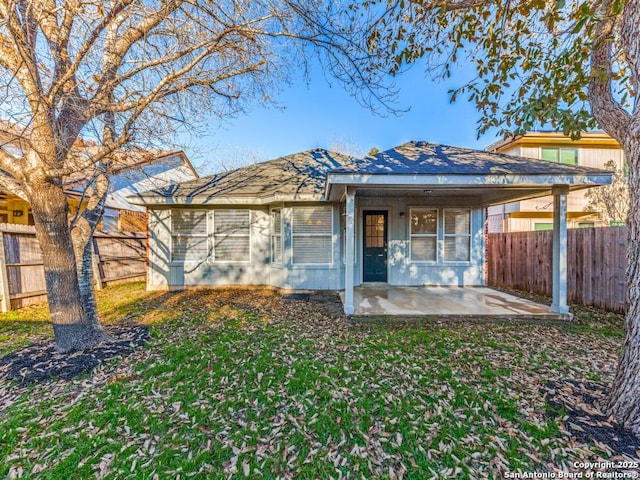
(241, 383)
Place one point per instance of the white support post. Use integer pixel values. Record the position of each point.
(349, 254)
(559, 264)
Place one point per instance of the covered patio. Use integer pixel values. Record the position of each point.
(428, 245)
(379, 300)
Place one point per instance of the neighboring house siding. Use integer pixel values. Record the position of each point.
(132, 221)
(525, 215)
(495, 223)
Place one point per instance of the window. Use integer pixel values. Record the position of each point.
(231, 236)
(109, 223)
(542, 226)
(276, 236)
(312, 235)
(457, 235)
(424, 231)
(189, 235)
(561, 155)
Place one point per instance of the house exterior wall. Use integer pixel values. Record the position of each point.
(402, 271)
(163, 273)
(594, 151)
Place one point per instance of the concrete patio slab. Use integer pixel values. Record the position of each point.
(433, 302)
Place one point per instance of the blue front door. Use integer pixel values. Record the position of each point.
(374, 265)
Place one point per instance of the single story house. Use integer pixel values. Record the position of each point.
(409, 216)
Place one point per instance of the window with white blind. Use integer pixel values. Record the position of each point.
(276, 236)
(424, 234)
(231, 235)
(189, 241)
(457, 235)
(312, 230)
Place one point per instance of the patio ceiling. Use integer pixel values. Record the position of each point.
(485, 195)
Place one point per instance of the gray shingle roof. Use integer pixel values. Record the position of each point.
(423, 158)
(298, 176)
(302, 176)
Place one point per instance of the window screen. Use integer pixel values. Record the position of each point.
(231, 235)
(276, 236)
(457, 235)
(189, 235)
(542, 226)
(424, 230)
(312, 235)
(562, 155)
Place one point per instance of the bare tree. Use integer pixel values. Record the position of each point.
(234, 158)
(125, 72)
(346, 145)
(611, 201)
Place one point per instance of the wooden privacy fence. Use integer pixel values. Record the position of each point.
(119, 256)
(596, 264)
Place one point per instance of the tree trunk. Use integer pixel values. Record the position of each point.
(83, 250)
(625, 393)
(74, 327)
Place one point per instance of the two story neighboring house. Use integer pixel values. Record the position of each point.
(594, 149)
(131, 172)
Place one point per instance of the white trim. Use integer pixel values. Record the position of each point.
(243, 235)
(424, 235)
(469, 180)
(330, 234)
(224, 201)
(446, 235)
(272, 235)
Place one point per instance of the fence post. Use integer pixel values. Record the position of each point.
(95, 257)
(4, 278)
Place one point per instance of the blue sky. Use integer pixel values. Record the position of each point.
(320, 114)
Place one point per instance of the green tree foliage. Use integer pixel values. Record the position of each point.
(532, 59)
(569, 64)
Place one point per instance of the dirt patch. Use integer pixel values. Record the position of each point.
(583, 406)
(41, 362)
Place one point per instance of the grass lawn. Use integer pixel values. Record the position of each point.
(239, 383)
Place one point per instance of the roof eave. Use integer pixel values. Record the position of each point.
(158, 200)
(594, 139)
(461, 181)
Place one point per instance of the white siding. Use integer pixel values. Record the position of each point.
(260, 271)
(401, 270)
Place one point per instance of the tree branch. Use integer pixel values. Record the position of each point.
(630, 41)
(67, 75)
(606, 110)
(7, 175)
